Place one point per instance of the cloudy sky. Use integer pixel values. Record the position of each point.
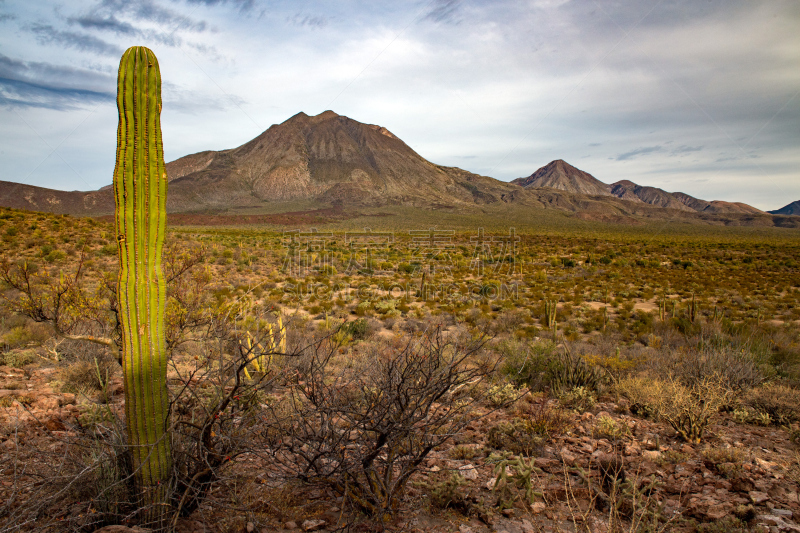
(698, 96)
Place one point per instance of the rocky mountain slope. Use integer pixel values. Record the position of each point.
(326, 157)
(21, 196)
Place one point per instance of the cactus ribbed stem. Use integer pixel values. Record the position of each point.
(140, 188)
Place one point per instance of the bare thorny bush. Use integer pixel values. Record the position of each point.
(363, 424)
(82, 479)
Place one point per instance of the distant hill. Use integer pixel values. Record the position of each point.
(562, 176)
(21, 196)
(791, 209)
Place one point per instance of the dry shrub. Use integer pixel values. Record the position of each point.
(84, 376)
(688, 409)
(726, 461)
(517, 436)
(363, 428)
(736, 370)
(780, 402)
(525, 435)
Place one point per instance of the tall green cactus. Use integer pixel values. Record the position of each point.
(140, 188)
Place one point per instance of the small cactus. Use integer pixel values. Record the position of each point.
(520, 479)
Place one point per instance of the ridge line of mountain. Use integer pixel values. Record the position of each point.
(329, 159)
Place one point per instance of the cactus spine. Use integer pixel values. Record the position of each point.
(140, 188)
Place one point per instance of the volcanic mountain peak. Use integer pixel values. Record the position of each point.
(312, 119)
(326, 157)
(561, 175)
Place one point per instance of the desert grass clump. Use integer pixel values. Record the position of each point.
(86, 376)
(445, 491)
(463, 452)
(780, 402)
(517, 436)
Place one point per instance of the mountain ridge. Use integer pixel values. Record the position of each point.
(329, 159)
(562, 176)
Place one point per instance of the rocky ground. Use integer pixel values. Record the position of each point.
(607, 471)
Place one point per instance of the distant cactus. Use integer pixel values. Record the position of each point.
(550, 309)
(692, 308)
(717, 317)
(140, 188)
(275, 344)
(662, 309)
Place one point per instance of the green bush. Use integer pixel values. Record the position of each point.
(526, 363)
(17, 338)
(357, 329)
(568, 372)
(17, 358)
